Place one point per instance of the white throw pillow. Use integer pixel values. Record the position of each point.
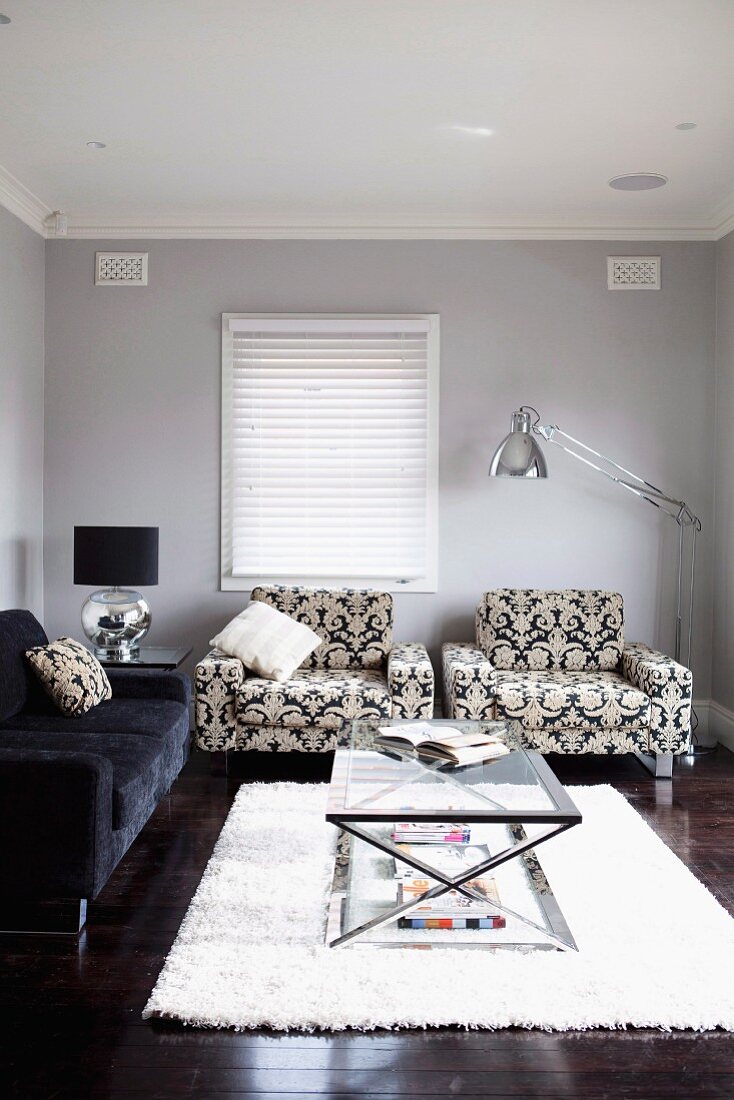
(266, 641)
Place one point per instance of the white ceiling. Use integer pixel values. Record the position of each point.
(344, 117)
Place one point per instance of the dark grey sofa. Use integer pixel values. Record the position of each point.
(75, 792)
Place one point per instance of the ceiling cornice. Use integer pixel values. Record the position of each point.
(724, 218)
(16, 198)
(22, 202)
(297, 230)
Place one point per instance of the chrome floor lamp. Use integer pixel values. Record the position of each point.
(520, 455)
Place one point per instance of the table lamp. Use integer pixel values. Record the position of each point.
(116, 617)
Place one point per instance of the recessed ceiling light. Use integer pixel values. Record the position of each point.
(5, 19)
(96, 145)
(638, 181)
(686, 126)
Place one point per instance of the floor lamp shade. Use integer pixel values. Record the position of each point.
(116, 617)
(116, 555)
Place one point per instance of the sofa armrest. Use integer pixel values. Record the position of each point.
(410, 681)
(149, 683)
(55, 823)
(670, 688)
(469, 682)
(217, 678)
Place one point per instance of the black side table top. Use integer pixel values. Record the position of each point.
(151, 656)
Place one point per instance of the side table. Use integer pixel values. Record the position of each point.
(151, 656)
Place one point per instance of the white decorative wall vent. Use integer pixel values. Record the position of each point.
(633, 272)
(121, 269)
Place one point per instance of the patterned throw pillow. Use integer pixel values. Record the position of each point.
(70, 675)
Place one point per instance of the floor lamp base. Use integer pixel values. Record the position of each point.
(694, 752)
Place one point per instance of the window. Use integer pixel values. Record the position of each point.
(330, 450)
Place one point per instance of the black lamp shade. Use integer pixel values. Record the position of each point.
(116, 555)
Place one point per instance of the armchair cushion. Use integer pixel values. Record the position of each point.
(410, 681)
(555, 700)
(535, 629)
(670, 687)
(314, 697)
(469, 682)
(355, 625)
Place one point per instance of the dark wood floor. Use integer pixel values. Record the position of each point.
(71, 1023)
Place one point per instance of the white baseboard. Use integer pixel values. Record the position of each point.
(702, 708)
(720, 724)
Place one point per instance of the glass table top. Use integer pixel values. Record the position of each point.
(372, 783)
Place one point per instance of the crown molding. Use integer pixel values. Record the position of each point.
(142, 229)
(724, 218)
(16, 198)
(31, 210)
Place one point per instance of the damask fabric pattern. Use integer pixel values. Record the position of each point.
(563, 701)
(533, 629)
(410, 681)
(314, 697)
(217, 679)
(670, 687)
(285, 739)
(356, 624)
(469, 682)
(603, 741)
(71, 675)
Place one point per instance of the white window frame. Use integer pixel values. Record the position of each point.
(244, 583)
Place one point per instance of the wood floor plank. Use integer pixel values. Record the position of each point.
(72, 1025)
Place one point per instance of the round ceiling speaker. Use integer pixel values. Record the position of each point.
(638, 181)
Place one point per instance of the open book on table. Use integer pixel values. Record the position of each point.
(443, 742)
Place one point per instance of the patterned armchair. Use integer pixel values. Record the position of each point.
(356, 672)
(557, 663)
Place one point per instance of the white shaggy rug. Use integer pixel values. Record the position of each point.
(655, 947)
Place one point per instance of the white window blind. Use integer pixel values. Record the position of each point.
(329, 449)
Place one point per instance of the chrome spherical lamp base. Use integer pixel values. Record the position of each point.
(116, 620)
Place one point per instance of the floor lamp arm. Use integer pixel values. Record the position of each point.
(677, 509)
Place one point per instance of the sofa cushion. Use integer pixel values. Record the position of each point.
(558, 700)
(163, 722)
(314, 697)
(524, 628)
(19, 631)
(138, 764)
(355, 624)
(70, 675)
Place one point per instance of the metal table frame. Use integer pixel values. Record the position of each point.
(352, 818)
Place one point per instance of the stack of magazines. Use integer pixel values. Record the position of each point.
(452, 909)
(430, 832)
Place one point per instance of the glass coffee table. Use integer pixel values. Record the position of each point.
(512, 804)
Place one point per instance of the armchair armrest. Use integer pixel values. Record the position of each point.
(670, 688)
(469, 682)
(410, 681)
(149, 683)
(55, 822)
(217, 678)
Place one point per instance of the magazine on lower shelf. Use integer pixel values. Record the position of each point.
(430, 832)
(453, 923)
(449, 859)
(453, 903)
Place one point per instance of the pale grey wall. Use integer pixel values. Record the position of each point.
(722, 686)
(132, 405)
(21, 415)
